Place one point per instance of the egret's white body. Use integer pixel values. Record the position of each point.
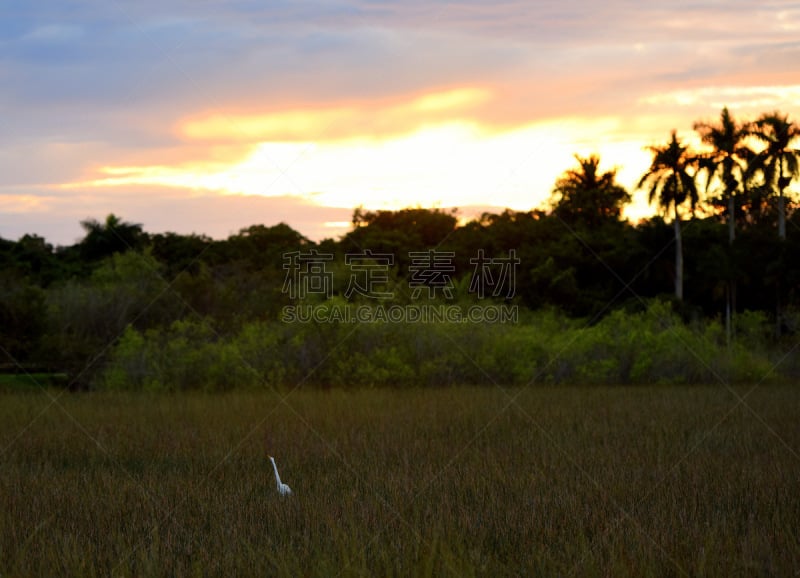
(283, 489)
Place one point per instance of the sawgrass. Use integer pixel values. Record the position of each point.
(602, 481)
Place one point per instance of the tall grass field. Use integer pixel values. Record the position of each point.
(546, 481)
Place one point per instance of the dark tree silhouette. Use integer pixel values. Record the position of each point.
(113, 236)
(669, 181)
(587, 195)
(779, 163)
(726, 164)
(399, 232)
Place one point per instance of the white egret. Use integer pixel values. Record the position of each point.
(283, 489)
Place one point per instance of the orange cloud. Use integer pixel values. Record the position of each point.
(338, 123)
(444, 164)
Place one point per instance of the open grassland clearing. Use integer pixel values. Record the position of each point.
(600, 481)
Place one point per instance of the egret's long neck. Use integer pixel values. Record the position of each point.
(277, 477)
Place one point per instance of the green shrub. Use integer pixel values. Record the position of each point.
(653, 346)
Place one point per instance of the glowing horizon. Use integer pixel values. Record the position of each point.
(449, 160)
(445, 161)
(238, 114)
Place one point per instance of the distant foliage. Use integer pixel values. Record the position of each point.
(650, 347)
(124, 308)
(22, 319)
(185, 356)
(87, 316)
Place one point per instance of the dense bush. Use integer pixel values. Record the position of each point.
(652, 346)
(86, 316)
(22, 319)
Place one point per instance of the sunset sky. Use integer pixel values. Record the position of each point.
(212, 116)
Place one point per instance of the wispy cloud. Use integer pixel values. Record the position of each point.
(745, 97)
(361, 119)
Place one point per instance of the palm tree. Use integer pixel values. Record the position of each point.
(113, 236)
(668, 180)
(727, 161)
(779, 163)
(585, 194)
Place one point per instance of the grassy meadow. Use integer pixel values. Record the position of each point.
(600, 481)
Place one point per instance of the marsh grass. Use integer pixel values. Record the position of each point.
(567, 481)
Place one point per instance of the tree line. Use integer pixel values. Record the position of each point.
(725, 243)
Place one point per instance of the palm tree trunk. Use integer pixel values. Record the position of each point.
(731, 219)
(730, 289)
(781, 207)
(782, 236)
(728, 320)
(678, 256)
